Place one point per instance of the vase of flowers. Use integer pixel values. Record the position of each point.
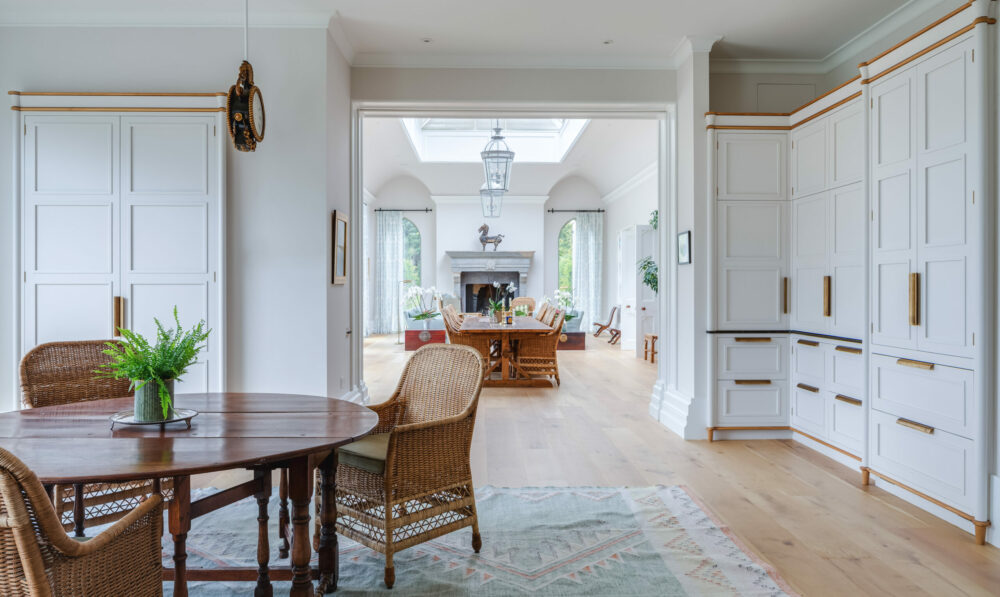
(153, 367)
(502, 293)
(421, 304)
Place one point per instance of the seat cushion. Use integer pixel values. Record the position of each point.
(367, 454)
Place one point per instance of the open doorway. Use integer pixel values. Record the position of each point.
(578, 187)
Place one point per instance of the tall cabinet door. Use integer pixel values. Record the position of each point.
(70, 222)
(847, 224)
(946, 236)
(809, 267)
(751, 264)
(751, 166)
(893, 228)
(170, 205)
(809, 147)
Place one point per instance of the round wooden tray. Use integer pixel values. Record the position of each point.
(127, 417)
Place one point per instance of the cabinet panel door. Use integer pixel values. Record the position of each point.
(809, 158)
(751, 231)
(847, 145)
(751, 404)
(848, 222)
(751, 264)
(808, 409)
(809, 263)
(751, 166)
(750, 297)
(740, 358)
(846, 422)
(893, 123)
(942, 100)
(893, 258)
(942, 397)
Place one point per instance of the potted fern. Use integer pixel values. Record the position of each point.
(152, 368)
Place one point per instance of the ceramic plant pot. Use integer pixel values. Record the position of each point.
(147, 402)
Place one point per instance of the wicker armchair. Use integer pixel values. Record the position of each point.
(543, 311)
(536, 355)
(479, 342)
(63, 373)
(523, 301)
(411, 480)
(39, 559)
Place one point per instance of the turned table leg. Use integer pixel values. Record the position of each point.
(300, 491)
(180, 523)
(263, 495)
(283, 513)
(329, 561)
(79, 510)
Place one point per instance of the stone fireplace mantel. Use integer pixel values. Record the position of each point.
(489, 261)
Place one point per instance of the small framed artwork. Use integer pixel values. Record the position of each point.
(339, 247)
(684, 247)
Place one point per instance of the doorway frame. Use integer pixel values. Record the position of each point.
(664, 113)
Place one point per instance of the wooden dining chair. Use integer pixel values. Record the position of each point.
(605, 326)
(542, 311)
(38, 558)
(537, 354)
(523, 301)
(411, 480)
(58, 373)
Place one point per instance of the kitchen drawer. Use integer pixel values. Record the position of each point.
(752, 357)
(847, 368)
(751, 404)
(846, 422)
(808, 359)
(938, 464)
(935, 395)
(808, 412)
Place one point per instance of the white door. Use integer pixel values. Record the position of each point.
(647, 245)
(627, 272)
(170, 215)
(809, 264)
(70, 228)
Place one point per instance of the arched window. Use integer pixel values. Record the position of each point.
(565, 255)
(411, 253)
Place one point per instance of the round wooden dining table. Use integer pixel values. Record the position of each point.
(73, 444)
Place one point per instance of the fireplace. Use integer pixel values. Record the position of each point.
(477, 288)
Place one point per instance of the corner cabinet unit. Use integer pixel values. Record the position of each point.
(855, 238)
(119, 202)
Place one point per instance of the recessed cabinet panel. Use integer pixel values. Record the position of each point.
(69, 311)
(809, 159)
(72, 157)
(892, 201)
(740, 358)
(894, 123)
(943, 196)
(809, 262)
(752, 230)
(167, 157)
(943, 88)
(752, 404)
(944, 318)
(751, 166)
(183, 228)
(751, 297)
(846, 423)
(847, 146)
(891, 317)
(808, 410)
(809, 361)
(73, 239)
(848, 211)
(940, 397)
(847, 371)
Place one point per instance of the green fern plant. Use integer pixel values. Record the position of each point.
(136, 359)
(650, 274)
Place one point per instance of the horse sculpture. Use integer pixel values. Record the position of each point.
(485, 239)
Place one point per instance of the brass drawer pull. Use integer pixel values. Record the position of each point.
(752, 382)
(808, 388)
(915, 426)
(826, 296)
(848, 349)
(808, 342)
(784, 295)
(847, 399)
(751, 339)
(915, 364)
(914, 299)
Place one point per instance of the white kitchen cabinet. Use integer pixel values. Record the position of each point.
(809, 263)
(752, 403)
(809, 158)
(751, 166)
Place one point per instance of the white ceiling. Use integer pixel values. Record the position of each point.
(524, 33)
(608, 153)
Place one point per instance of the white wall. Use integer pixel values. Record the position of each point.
(629, 209)
(572, 192)
(763, 92)
(521, 222)
(278, 201)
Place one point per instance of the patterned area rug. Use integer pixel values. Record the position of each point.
(536, 541)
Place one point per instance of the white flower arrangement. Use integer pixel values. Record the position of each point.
(424, 300)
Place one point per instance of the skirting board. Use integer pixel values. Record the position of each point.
(828, 452)
(993, 533)
(358, 395)
(923, 504)
(675, 411)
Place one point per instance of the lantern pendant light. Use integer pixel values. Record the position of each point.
(497, 160)
(492, 201)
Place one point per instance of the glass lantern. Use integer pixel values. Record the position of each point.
(497, 159)
(492, 201)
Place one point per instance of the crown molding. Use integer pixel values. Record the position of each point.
(474, 199)
(369, 197)
(837, 57)
(693, 44)
(624, 188)
(37, 14)
(501, 61)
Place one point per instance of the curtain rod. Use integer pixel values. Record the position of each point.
(576, 211)
(425, 210)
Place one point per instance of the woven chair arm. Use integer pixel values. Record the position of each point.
(427, 456)
(152, 507)
(388, 413)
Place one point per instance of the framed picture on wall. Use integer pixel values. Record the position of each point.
(339, 247)
(684, 247)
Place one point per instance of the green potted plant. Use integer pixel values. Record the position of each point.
(152, 368)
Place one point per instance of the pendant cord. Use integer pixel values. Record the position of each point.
(246, 26)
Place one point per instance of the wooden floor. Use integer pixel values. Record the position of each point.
(805, 514)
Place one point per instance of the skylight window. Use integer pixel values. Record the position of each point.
(533, 140)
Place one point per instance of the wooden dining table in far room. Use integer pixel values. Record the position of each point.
(74, 443)
(511, 373)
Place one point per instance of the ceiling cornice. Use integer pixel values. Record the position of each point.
(340, 38)
(845, 52)
(637, 179)
(37, 14)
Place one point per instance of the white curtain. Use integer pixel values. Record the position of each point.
(388, 272)
(588, 255)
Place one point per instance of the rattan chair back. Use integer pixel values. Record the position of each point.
(63, 373)
(439, 382)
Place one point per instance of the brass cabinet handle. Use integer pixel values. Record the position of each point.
(751, 339)
(807, 388)
(915, 364)
(116, 317)
(916, 426)
(752, 382)
(848, 349)
(914, 299)
(784, 295)
(847, 399)
(826, 296)
(808, 343)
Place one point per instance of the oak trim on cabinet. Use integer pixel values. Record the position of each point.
(930, 48)
(907, 40)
